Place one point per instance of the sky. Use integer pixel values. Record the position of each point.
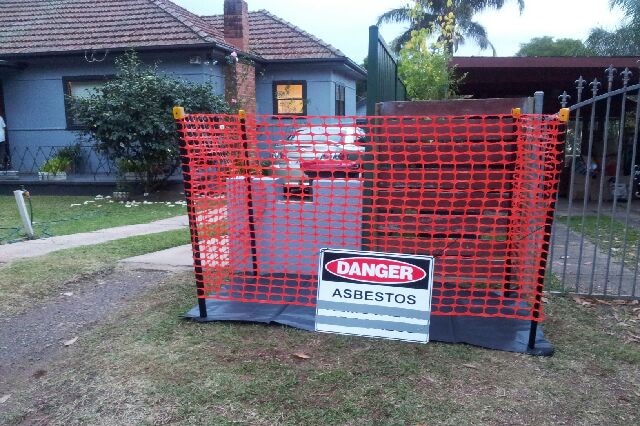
(345, 23)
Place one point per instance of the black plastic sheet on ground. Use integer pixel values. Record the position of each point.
(493, 333)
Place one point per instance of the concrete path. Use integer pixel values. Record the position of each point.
(173, 259)
(25, 249)
(587, 268)
(577, 265)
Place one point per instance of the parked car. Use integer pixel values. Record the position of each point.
(320, 151)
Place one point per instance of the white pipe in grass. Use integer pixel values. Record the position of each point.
(22, 208)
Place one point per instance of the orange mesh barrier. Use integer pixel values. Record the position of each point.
(475, 192)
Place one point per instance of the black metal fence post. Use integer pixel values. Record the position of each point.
(179, 116)
(251, 213)
(563, 119)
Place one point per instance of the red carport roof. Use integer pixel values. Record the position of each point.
(500, 77)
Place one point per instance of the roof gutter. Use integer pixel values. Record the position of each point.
(11, 64)
(212, 45)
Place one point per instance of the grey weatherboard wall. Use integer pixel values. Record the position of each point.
(34, 96)
(321, 80)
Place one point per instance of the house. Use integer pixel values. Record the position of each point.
(49, 49)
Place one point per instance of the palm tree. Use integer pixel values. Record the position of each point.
(431, 11)
(622, 41)
(631, 9)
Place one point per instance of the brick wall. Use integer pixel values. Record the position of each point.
(240, 76)
(240, 86)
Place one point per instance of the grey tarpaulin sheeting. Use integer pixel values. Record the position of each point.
(493, 333)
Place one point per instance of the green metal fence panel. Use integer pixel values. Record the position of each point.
(383, 83)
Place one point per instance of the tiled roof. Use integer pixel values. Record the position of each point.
(273, 38)
(38, 26)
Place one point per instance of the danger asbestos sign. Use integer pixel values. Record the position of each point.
(374, 294)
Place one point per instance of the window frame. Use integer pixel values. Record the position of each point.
(66, 88)
(274, 91)
(340, 100)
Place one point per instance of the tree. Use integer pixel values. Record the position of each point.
(129, 118)
(424, 69)
(361, 85)
(624, 40)
(631, 9)
(450, 20)
(547, 46)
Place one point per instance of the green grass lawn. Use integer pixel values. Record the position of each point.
(29, 281)
(609, 234)
(149, 366)
(63, 215)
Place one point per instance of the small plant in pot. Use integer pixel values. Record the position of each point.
(121, 192)
(55, 168)
(66, 160)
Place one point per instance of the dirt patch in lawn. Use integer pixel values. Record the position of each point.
(28, 342)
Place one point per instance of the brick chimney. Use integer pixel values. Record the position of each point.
(240, 75)
(236, 24)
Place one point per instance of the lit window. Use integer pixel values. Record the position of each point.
(289, 97)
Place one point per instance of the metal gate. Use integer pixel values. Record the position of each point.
(596, 235)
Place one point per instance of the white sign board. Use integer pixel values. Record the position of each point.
(374, 294)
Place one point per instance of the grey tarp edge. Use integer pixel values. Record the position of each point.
(504, 334)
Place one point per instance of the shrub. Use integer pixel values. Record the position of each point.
(130, 118)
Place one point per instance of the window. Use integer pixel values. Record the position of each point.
(80, 87)
(340, 109)
(289, 97)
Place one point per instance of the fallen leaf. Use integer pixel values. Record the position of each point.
(71, 341)
(5, 398)
(475, 367)
(301, 355)
(581, 301)
(39, 373)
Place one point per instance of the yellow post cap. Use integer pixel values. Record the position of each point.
(516, 112)
(563, 115)
(242, 113)
(178, 113)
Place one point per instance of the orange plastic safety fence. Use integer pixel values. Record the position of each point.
(476, 192)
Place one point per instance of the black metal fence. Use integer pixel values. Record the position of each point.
(596, 238)
(87, 160)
